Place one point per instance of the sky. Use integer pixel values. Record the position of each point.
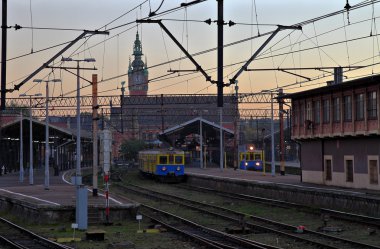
(289, 48)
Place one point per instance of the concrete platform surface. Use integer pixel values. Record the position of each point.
(59, 194)
(279, 180)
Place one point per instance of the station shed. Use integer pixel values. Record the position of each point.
(187, 136)
(62, 141)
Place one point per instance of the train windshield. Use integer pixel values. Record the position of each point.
(257, 156)
(178, 160)
(163, 159)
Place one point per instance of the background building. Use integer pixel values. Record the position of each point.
(338, 127)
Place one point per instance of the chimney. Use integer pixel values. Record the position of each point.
(338, 75)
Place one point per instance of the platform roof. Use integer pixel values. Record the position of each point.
(12, 129)
(192, 127)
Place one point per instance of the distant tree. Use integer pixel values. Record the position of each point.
(131, 148)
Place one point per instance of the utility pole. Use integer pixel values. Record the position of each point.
(3, 53)
(236, 140)
(122, 106)
(95, 134)
(220, 84)
(273, 164)
(21, 149)
(282, 142)
(162, 114)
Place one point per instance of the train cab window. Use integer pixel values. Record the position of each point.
(163, 159)
(257, 156)
(178, 160)
(250, 156)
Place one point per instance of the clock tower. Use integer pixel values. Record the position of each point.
(137, 71)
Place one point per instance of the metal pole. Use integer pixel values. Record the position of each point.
(221, 138)
(220, 76)
(273, 166)
(236, 135)
(47, 147)
(201, 141)
(78, 169)
(121, 106)
(30, 143)
(3, 53)
(21, 150)
(95, 135)
(282, 138)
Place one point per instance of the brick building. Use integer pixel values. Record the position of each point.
(338, 127)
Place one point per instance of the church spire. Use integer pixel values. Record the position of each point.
(137, 49)
(137, 70)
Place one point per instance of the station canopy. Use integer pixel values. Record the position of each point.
(210, 131)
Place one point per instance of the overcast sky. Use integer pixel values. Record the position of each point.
(112, 55)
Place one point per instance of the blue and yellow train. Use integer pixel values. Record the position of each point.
(166, 165)
(252, 159)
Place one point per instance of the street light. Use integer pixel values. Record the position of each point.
(78, 149)
(47, 146)
(81, 204)
(273, 165)
(31, 181)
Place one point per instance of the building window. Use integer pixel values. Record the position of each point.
(328, 168)
(326, 111)
(336, 109)
(317, 112)
(295, 116)
(373, 169)
(349, 168)
(359, 106)
(302, 120)
(309, 111)
(372, 105)
(347, 105)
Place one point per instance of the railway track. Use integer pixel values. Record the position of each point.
(204, 235)
(14, 236)
(317, 239)
(356, 218)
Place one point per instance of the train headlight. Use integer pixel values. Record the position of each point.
(178, 168)
(257, 164)
(163, 168)
(246, 164)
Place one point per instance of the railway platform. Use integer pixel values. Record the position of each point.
(57, 202)
(287, 188)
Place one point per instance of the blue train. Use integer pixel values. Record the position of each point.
(252, 159)
(166, 165)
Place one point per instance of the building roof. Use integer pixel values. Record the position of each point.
(361, 82)
(194, 124)
(11, 128)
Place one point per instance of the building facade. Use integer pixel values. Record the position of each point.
(338, 127)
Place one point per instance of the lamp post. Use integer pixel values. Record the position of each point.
(47, 146)
(21, 178)
(273, 165)
(81, 192)
(31, 177)
(78, 149)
